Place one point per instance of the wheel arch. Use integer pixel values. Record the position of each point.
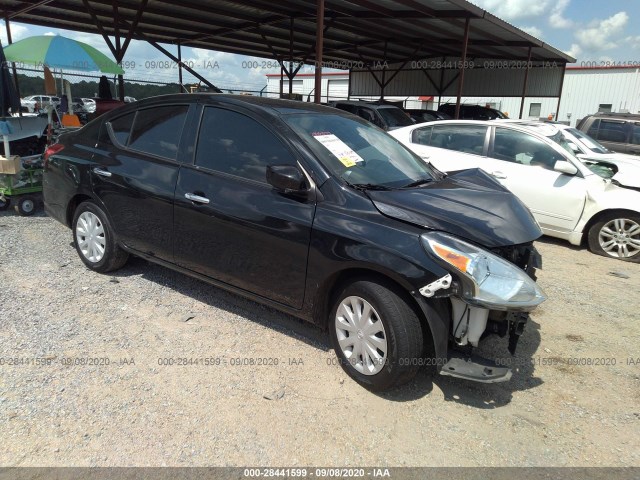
(76, 200)
(328, 291)
(597, 217)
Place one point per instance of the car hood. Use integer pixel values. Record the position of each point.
(469, 204)
(628, 166)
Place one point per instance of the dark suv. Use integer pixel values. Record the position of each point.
(619, 132)
(312, 211)
(472, 112)
(384, 115)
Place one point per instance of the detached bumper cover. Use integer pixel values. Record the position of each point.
(476, 369)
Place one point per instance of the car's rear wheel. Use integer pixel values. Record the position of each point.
(376, 335)
(617, 236)
(5, 203)
(94, 239)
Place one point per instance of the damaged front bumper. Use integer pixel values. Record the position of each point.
(470, 323)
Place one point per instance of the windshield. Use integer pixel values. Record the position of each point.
(394, 117)
(587, 141)
(599, 168)
(358, 152)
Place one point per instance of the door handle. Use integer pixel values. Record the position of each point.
(102, 172)
(196, 198)
(499, 175)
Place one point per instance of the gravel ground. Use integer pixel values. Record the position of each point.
(135, 411)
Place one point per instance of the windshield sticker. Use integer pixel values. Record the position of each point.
(337, 147)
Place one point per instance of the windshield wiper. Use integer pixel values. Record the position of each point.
(368, 186)
(417, 183)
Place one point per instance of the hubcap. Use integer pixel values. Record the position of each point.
(620, 238)
(361, 335)
(90, 237)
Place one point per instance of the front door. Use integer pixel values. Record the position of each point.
(524, 164)
(230, 224)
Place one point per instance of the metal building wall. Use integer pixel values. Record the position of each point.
(486, 78)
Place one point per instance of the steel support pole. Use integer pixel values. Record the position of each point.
(564, 70)
(317, 94)
(526, 82)
(465, 45)
(290, 74)
(120, 53)
(180, 66)
(13, 64)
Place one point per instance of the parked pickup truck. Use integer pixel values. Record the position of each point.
(310, 210)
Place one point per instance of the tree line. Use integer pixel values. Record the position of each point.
(35, 86)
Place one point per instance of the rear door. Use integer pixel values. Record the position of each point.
(230, 224)
(634, 144)
(452, 147)
(524, 164)
(135, 176)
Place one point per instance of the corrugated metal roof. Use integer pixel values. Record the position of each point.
(356, 30)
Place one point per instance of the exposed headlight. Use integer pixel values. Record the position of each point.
(488, 280)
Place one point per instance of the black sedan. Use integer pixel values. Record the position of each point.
(312, 211)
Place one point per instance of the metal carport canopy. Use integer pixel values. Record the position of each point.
(333, 33)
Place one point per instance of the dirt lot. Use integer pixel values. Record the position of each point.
(130, 409)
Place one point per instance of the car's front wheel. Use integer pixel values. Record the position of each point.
(617, 236)
(376, 335)
(94, 239)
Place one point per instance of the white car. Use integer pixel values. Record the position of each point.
(622, 168)
(38, 102)
(568, 200)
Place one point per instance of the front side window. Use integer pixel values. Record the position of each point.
(461, 138)
(235, 144)
(525, 149)
(157, 130)
(358, 152)
(612, 131)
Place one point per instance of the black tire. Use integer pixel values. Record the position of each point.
(113, 256)
(402, 330)
(626, 237)
(26, 206)
(5, 204)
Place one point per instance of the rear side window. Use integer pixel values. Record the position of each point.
(461, 138)
(121, 127)
(157, 130)
(232, 143)
(593, 129)
(612, 131)
(422, 136)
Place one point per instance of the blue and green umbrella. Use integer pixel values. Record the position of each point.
(56, 51)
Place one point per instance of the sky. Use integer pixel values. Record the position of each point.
(589, 30)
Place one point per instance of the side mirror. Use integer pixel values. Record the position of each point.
(574, 147)
(565, 167)
(286, 178)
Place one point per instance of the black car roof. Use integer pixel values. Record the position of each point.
(262, 103)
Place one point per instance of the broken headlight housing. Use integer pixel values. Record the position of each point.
(486, 279)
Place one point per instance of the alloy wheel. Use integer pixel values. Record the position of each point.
(620, 238)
